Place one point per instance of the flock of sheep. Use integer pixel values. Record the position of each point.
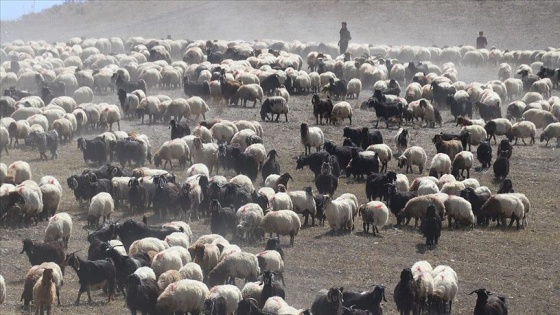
(49, 93)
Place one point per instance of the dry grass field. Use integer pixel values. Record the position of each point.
(521, 265)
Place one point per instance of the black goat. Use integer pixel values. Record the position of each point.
(130, 231)
(507, 187)
(375, 185)
(342, 153)
(92, 274)
(141, 294)
(270, 83)
(128, 151)
(396, 200)
(501, 166)
(39, 253)
(179, 130)
(369, 138)
(440, 93)
(126, 265)
(321, 108)
(354, 134)
(15, 93)
(93, 150)
(270, 165)
(128, 87)
(44, 141)
(338, 88)
(194, 88)
(463, 107)
(489, 112)
(476, 200)
(137, 195)
(484, 154)
(487, 304)
(270, 288)
(505, 146)
(222, 220)
(273, 243)
(245, 163)
(361, 165)
(370, 301)
(326, 182)
(225, 157)
(385, 110)
(431, 227)
(328, 304)
(405, 293)
(313, 160)
(216, 305)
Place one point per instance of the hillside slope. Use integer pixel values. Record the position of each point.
(507, 24)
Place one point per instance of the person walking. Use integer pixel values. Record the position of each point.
(344, 38)
(481, 41)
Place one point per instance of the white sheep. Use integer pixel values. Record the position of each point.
(459, 209)
(168, 259)
(421, 267)
(258, 151)
(245, 124)
(282, 222)
(414, 155)
(416, 207)
(205, 153)
(471, 183)
(83, 94)
(252, 290)
(249, 218)
(3, 172)
(281, 201)
(304, 203)
(227, 250)
(477, 134)
(145, 273)
(19, 171)
(178, 108)
(271, 260)
(340, 111)
(402, 183)
(191, 271)
(183, 296)
(60, 226)
(237, 265)
(541, 118)
(338, 213)
(503, 126)
(526, 206)
(452, 187)
(197, 169)
(223, 131)
(167, 278)
(531, 97)
(419, 180)
(32, 197)
(230, 293)
(551, 131)
(444, 289)
(35, 273)
(44, 292)
(445, 270)
(4, 139)
(251, 92)
(241, 137)
(384, 154)
(281, 91)
(504, 206)
(522, 129)
(427, 188)
(243, 181)
(354, 87)
(172, 149)
(198, 107)
(177, 239)
(311, 137)
(102, 205)
(375, 213)
(463, 161)
(441, 164)
(277, 305)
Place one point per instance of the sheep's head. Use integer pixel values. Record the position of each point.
(27, 246)
(281, 188)
(402, 161)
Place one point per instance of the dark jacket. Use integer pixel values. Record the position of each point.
(344, 35)
(481, 42)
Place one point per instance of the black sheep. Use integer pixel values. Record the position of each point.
(487, 304)
(137, 195)
(270, 288)
(505, 146)
(385, 110)
(431, 227)
(459, 108)
(270, 83)
(501, 166)
(369, 138)
(405, 293)
(507, 187)
(39, 253)
(126, 265)
(270, 165)
(225, 158)
(484, 154)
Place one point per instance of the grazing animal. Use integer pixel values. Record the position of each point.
(431, 228)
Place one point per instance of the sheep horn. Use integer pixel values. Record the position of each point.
(475, 291)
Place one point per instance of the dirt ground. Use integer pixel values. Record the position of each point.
(521, 265)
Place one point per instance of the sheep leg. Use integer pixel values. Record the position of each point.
(292, 234)
(286, 116)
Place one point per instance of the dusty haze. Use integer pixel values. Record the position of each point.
(507, 24)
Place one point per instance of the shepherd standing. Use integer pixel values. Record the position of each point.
(344, 38)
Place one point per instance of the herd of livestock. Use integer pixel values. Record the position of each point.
(49, 92)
